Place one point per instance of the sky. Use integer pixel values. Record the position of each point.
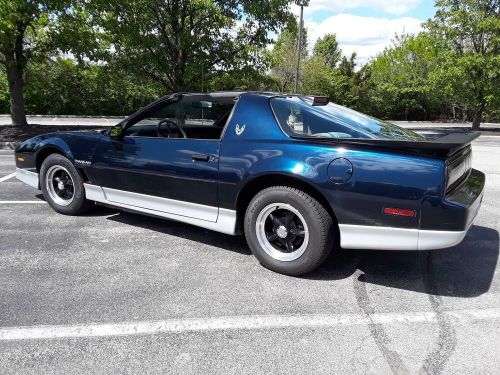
(364, 26)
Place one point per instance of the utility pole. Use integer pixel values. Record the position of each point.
(299, 47)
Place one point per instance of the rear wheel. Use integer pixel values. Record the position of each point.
(288, 231)
(62, 186)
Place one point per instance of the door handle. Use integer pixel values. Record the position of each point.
(200, 157)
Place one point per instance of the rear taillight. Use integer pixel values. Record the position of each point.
(457, 169)
(399, 212)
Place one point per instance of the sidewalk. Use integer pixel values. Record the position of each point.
(67, 120)
(444, 125)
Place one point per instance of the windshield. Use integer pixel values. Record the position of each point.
(299, 117)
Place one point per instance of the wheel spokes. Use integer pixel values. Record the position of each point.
(284, 230)
(297, 232)
(289, 218)
(274, 219)
(63, 185)
(67, 191)
(60, 185)
(272, 237)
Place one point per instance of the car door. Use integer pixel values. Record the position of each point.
(161, 172)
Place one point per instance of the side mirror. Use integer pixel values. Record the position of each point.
(116, 132)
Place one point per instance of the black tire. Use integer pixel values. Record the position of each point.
(319, 223)
(78, 203)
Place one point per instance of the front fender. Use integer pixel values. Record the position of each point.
(73, 145)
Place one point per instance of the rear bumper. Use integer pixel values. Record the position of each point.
(387, 238)
(467, 199)
(444, 223)
(457, 210)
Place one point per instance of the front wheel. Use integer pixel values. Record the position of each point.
(62, 186)
(288, 231)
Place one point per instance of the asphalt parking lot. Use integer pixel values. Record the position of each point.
(119, 292)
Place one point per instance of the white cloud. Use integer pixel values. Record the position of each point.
(396, 7)
(365, 35)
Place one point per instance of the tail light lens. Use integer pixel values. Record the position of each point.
(399, 212)
(458, 168)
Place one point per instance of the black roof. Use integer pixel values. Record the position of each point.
(229, 94)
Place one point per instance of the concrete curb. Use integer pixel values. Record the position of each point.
(8, 145)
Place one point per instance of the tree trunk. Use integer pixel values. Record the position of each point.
(16, 83)
(476, 119)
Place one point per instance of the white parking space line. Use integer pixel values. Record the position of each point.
(22, 202)
(259, 322)
(5, 178)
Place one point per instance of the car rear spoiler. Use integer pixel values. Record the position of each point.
(437, 144)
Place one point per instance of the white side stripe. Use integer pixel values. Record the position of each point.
(5, 178)
(259, 322)
(186, 212)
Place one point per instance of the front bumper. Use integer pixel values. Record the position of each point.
(29, 178)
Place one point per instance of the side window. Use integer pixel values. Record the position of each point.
(299, 118)
(205, 119)
(148, 126)
(289, 115)
(188, 118)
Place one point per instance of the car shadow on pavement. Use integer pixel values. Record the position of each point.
(465, 270)
(97, 210)
(190, 232)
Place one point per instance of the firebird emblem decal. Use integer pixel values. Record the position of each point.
(239, 129)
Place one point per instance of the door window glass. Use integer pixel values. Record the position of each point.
(191, 117)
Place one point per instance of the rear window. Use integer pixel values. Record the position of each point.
(298, 117)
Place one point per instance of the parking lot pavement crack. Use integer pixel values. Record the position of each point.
(377, 330)
(360, 361)
(436, 360)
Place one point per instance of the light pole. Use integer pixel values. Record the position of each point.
(299, 46)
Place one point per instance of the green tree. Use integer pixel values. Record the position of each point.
(253, 78)
(283, 57)
(329, 73)
(470, 64)
(328, 48)
(21, 30)
(29, 31)
(180, 43)
(347, 70)
(319, 79)
(402, 76)
(4, 91)
(61, 86)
